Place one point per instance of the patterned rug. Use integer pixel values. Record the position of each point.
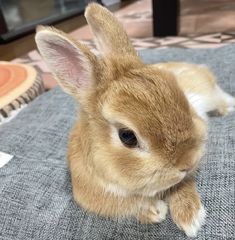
(137, 20)
(202, 41)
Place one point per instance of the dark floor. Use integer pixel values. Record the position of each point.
(25, 12)
(25, 44)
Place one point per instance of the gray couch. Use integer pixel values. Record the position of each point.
(35, 190)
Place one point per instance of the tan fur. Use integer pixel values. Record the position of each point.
(108, 178)
(181, 198)
(190, 77)
(199, 80)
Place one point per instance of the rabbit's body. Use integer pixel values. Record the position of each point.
(200, 87)
(139, 137)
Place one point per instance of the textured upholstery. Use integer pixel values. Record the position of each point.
(35, 190)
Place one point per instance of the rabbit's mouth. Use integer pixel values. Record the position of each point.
(149, 189)
(161, 185)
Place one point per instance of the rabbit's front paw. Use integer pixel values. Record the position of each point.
(193, 226)
(189, 219)
(154, 214)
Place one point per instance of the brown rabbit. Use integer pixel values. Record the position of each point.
(138, 140)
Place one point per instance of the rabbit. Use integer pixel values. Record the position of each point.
(138, 140)
(199, 85)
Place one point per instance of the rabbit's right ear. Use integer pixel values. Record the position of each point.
(70, 62)
(109, 34)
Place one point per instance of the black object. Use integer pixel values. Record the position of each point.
(165, 17)
(100, 2)
(3, 26)
(127, 137)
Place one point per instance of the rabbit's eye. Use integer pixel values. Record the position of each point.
(128, 138)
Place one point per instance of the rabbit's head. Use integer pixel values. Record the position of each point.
(143, 135)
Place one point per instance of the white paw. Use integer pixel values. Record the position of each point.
(162, 209)
(228, 99)
(231, 103)
(231, 109)
(154, 213)
(198, 220)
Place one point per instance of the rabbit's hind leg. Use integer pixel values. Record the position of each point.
(224, 102)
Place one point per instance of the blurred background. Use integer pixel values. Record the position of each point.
(141, 18)
(149, 23)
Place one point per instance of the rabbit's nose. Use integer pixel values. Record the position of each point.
(187, 169)
(187, 162)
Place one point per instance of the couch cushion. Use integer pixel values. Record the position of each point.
(35, 189)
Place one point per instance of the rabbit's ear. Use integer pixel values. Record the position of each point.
(109, 34)
(70, 62)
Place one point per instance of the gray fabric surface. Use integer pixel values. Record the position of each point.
(35, 190)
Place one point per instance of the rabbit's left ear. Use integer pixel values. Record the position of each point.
(109, 34)
(71, 62)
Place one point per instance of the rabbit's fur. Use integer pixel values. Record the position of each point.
(117, 90)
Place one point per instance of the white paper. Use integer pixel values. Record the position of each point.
(4, 158)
